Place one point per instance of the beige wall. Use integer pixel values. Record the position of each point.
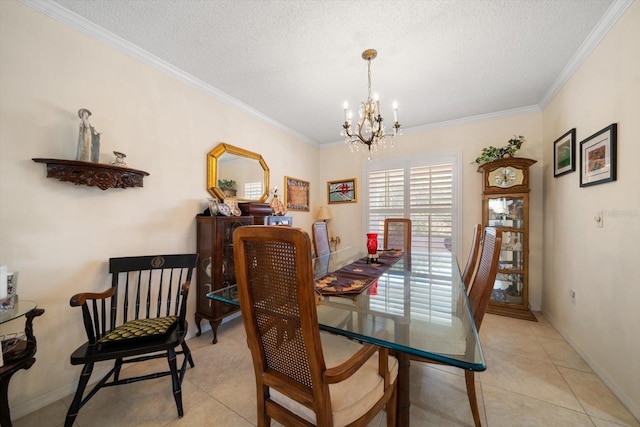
(600, 264)
(60, 236)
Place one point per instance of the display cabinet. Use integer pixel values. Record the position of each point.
(215, 266)
(505, 205)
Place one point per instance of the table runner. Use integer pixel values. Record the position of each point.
(357, 276)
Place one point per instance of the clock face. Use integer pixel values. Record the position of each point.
(506, 177)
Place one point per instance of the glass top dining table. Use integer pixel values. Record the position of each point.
(418, 308)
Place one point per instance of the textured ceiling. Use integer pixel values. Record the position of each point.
(296, 62)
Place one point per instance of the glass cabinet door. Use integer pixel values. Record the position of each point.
(506, 212)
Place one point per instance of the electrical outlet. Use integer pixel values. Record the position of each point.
(599, 219)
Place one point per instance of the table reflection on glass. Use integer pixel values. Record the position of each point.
(418, 307)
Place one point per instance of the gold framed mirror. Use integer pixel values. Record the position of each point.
(246, 169)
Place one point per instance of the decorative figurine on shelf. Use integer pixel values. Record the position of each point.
(88, 139)
(372, 247)
(276, 204)
(119, 160)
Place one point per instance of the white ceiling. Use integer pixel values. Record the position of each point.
(294, 63)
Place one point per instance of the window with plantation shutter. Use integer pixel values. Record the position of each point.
(425, 191)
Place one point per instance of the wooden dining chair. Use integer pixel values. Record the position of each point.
(479, 295)
(141, 317)
(397, 234)
(472, 260)
(320, 238)
(304, 377)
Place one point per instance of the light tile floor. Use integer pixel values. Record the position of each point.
(534, 378)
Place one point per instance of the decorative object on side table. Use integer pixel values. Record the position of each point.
(491, 153)
(598, 157)
(88, 139)
(8, 288)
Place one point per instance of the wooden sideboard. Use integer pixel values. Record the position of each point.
(215, 266)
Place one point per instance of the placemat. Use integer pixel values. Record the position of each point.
(357, 276)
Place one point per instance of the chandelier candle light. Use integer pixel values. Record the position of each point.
(370, 129)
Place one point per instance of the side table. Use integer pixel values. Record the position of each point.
(18, 353)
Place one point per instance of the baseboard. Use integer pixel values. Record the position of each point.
(39, 402)
(597, 369)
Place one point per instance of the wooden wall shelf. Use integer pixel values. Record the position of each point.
(91, 174)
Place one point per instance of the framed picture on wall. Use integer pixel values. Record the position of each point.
(598, 157)
(296, 194)
(343, 191)
(564, 154)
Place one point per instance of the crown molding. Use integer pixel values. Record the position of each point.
(77, 22)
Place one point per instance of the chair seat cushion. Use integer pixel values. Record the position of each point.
(140, 329)
(352, 398)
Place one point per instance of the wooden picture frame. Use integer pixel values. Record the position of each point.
(342, 191)
(564, 154)
(598, 157)
(296, 194)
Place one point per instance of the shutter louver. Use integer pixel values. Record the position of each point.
(425, 194)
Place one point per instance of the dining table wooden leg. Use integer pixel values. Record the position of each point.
(404, 378)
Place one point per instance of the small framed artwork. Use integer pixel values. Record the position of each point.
(296, 194)
(564, 154)
(598, 157)
(343, 191)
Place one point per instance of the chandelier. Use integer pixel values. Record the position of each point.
(370, 129)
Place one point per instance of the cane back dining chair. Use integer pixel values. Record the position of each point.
(304, 377)
(141, 317)
(472, 260)
(479, 295)
(397, 234)
(320, 238)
